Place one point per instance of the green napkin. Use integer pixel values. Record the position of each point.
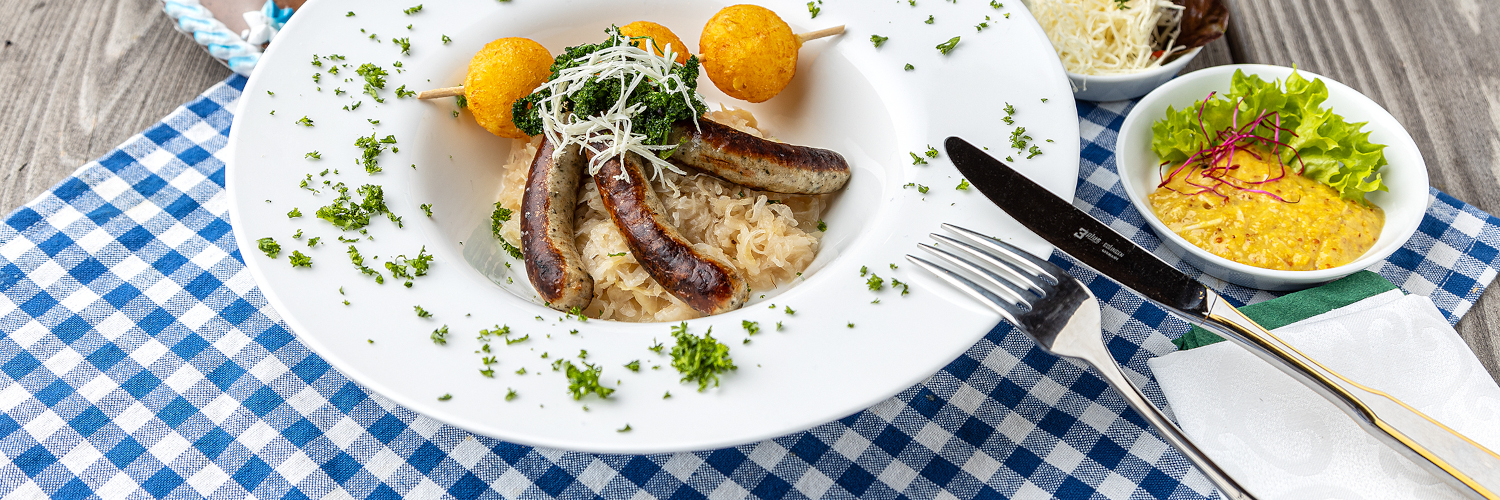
(1297, 306)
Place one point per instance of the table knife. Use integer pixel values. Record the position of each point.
(1467, 466)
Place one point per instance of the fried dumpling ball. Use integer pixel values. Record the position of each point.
(663, 37)
(500, 73)
(749, 52)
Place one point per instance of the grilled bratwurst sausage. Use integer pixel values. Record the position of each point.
(552, 261)
(745, 159)
(706, 284)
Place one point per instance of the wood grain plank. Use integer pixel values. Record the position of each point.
(1430, 63)
(80, 78)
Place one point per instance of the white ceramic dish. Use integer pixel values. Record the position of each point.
(1406, 175)
(1121, 87)
(848, 96)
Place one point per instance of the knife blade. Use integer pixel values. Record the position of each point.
(1074, 232)
(1467, 466)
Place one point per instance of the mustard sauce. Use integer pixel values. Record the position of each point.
(1310, 228)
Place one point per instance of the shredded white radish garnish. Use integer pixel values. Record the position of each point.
(632, 66)
(1109, 37)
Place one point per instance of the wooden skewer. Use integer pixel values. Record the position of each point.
(459, 90)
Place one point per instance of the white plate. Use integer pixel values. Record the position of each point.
(847, 96)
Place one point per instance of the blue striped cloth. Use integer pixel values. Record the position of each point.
(138, 359)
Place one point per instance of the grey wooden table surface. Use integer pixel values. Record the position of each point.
(78, 78)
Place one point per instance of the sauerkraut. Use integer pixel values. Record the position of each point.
(769, 237)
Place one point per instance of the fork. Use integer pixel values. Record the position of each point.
(1060, 314)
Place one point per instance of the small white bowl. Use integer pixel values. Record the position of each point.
(1131, 86)
(1405, 176)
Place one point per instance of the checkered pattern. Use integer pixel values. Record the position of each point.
(140, 360)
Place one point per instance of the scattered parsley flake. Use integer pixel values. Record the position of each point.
(917, 160)
(752, 327)
(299, 259)
(314, 155)
(930, 20)
(312, 242)
(948, 46)
(624, 429)
(584, 381)
(305, 121)
(404, 43)
(295, 213)
(822, 226)
(905, 288)
(422, 313)
(350, 14)
(440, 335)
(996, 4)
(699, 359)
(270, 247)
(621, 254)
(878, 40)
(446, 40)
(963, 185)
(359, 263)
(444, 397)
(510, 394)
(875, 283)
(931, 152)
(909, 67)
(426, 208)
(402, 93)
(813, 9)
(789, 311)
(413, 10)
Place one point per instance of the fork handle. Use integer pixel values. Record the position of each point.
(1467, 466)
(1095, 354)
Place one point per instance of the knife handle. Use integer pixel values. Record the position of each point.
(1465, 465)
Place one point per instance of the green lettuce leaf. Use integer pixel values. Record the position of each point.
(1325, 147)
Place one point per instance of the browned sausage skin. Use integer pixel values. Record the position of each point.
(552, 261)
(706, 284)
(745, 159)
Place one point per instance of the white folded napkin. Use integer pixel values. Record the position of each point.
(1282, 441)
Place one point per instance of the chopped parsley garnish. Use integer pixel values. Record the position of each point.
(418, 266)
(893, 267)
(359, 263)
(500, 216)
(444, 397)
(461, 101)
(1018, 138)
(1033, 152)
(864, 270)
(905, 288)
(634, 366)
(822, 226)
(305, 121)
(778, 326)
(402, 93)
(511, 341)
(909, 67)
(314, 155)
(981, 26)
(851, 324)
(521, 371)
(878, 40)
(582, 382)
(875, 283)
(930, 20)
(440, 335)
(422, 313)
(426, 208)
(372, 121)
(917, 160)
(656, 348)
(352, 107)
(374, 79)
(577, 312)
(624, 429)
(295, 213)
(404, 43)
(348, 215)
(298, 235)
(350, 14)
(270, 247)
(996, 5)
(413, 10)
(963, 185)
(305, 184)
(699, 359)
(510, 394)
(372, 147)
(751, 327)
(789, 311)
(813, 9)
(312, 242)
(931, 152)
(920, 188)
(948, 46)
(668, 395)
(621, 254)
(446, 40)
(299, 259)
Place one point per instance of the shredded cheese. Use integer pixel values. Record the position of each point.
(632, 66)
(1110, 37)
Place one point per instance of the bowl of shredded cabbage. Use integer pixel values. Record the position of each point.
(1123, 49)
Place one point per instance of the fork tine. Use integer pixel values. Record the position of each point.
(1021, 258)
(1007, 310)
(1018, 276)
(1005, 286)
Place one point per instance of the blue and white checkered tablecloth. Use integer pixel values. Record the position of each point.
(140, 360)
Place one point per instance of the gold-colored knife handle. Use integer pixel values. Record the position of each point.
(1469, 467)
